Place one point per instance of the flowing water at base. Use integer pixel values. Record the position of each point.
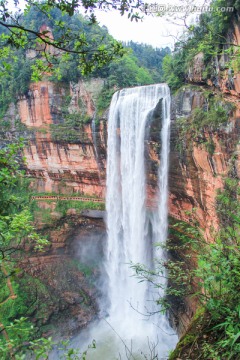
(111, 346)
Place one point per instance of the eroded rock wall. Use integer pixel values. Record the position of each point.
(58, 165)
(222, 72)
(196, 173)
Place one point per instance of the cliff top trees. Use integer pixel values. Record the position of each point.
(30, 29)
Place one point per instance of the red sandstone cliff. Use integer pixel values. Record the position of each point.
(59, 166)
(196, 175)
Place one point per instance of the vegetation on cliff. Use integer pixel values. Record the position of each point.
(209, 36)
(204, 121)
(27, 296)
(17, 233)
(207, 273)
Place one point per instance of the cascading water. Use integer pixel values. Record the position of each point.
(129, 240)
(126, 332)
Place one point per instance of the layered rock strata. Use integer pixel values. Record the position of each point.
(58, 165)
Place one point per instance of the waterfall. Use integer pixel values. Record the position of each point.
(128, 221)
(124, 330)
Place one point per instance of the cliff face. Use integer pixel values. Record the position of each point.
(60, 164)
(223, 71)
(78, 165)
(196, 173)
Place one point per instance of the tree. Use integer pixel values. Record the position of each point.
(16, 233)
(19, 30)
(125, 72)
(149, 57)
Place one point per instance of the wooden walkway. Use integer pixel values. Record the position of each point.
(75, 198)
(151, 204)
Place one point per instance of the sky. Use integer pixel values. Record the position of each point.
(154, 30)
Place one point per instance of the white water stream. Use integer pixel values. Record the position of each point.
(128, 220)
(126, 332)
